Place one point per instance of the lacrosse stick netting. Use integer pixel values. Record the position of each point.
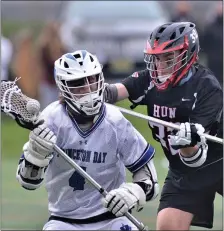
(15, 103)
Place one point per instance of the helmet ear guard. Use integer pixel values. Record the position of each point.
(172, 37)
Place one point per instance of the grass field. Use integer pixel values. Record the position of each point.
(27, 210)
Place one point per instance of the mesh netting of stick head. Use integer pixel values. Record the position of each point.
(13, 100)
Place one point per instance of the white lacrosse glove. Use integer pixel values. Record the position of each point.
(121, 200)
(39, 149)
(189, 135)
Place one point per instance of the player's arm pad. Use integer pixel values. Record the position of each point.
(110, 93)
(197, 159)
(146, 178)
(28, 175)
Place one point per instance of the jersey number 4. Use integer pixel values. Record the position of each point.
(76, 181)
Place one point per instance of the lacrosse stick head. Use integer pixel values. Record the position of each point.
(21, 108)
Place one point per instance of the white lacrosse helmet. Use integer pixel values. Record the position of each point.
(80, 80)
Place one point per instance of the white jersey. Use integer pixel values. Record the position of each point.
(102, 151)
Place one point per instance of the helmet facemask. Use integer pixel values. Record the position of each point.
(84, 95)
(163, 67)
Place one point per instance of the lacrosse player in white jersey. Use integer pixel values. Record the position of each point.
(98, 138)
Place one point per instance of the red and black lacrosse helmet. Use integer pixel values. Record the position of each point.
(178, 45)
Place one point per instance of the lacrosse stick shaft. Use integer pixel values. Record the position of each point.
(102, 191)
(164, 123)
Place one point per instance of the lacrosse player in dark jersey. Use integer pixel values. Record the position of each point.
(175, 88)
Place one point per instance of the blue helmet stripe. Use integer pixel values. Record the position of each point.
(70, 56)
(83, 53)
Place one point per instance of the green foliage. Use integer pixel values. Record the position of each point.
(11, 28)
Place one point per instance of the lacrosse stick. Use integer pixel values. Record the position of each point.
(26, 112)
(164, 123)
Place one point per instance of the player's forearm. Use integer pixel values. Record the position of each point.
(122, 92)
(189, 151)
(29, 176)
(115, 92)
(194, 156)
(146, 178)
